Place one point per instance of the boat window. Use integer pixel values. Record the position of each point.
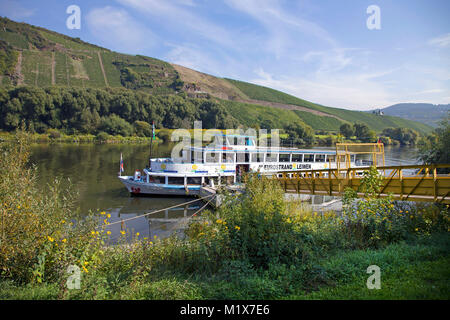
(320, 158)
(285, 157)
(157, 179)
(243, 157)
(194, 180)
(271, 157)
(227, 157)
(197, 156)
(297, 157)
(331, 158)
(257, 157)
(352, 158)
(308, 158)
(176, 180)
(212, 157)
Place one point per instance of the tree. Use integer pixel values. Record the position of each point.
(346, 130)
(363, 133)
(435, 148)
(405, 136)
(142, 129)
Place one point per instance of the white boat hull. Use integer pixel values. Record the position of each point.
(144, 188)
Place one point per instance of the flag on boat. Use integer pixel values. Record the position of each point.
(153, 130)
(121, 164)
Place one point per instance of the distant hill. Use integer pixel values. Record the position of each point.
(427, 113)
(34, 56)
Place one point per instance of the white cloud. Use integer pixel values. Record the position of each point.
(117, 30)
(441, 41)
(14, 10)
(345, 91)
(181, 16)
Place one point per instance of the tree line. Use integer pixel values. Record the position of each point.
(114, 111)
(402, 136)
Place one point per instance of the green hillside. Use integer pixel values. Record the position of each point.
(375, 122)
(37, 57)
(49, 58)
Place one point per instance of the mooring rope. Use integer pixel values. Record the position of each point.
(185, 219)
(160, 210)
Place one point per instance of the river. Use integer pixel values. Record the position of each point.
(93, 168)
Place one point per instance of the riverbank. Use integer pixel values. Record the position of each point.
(261, 247)
(57, 137)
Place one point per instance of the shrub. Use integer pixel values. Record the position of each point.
(39, 237)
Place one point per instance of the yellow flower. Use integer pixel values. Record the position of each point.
(84, 269)
(219, 220)
(108, 215)
(417, 229)
(155, 237)
(122, 232)
(237, 228)
(86, 263)
(201, 234)
(103, 212)
(50, 239)
(108, 232)
(137, 234)
(64, 240)
(63, 221)
(93, 232)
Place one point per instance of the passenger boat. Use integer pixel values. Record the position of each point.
(225, 163)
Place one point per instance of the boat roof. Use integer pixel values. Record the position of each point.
(262, 149)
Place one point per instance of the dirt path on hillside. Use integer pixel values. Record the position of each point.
(222, 89)
(53, 68)
(289, 107)
(17, 76)
(101, 67)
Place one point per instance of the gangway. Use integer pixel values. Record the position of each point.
(423, 184)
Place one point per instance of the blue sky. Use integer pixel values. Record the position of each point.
(318, 50)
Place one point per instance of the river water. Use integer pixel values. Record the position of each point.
(93, 168)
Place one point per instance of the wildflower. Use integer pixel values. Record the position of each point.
(108, 232)
(201, 234)
(108, 215)
(84, 269)
(122, 232)
(93, 232)
(416, 229)
(63, 221)
(237, 228)
(137, 234)
(103, 213)
(86, 263)
(64, 240)
(219, 221)
(155, 237)
(50, 239)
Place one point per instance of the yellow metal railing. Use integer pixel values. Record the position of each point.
(425, 184)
